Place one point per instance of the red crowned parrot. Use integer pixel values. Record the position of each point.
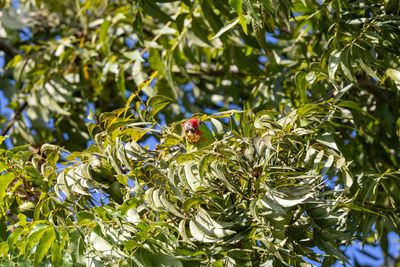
(197, 134)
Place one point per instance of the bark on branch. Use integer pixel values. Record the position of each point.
(11, 51)
(14, 119)
(7, 48)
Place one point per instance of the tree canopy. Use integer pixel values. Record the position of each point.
(302, 97)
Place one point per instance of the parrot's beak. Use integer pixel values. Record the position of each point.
(192, 134)
(189, 130)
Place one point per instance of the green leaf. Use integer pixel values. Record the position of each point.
(394, 74)
(121, 82)
(191, 175)
(155, 61)
(75, 181)
(14, 237)
(209, 12)
(253, 209)
(232, 125)
(198, 34)
(138, 26)
(327, 165)
(259, 31)
(148, 197)
(267, 18)
(330, 249)
(192, 202)
(359, 208)
(133, 216)
(34, 237)
(217, 172)
(345, 64)
(182, 231)
(311, 77)
(354, 106)
(57, 248)
(204, 217)
(198, 233)
(328, 140)
(157, 201)
(301, 85)
(246, 63)
(237, 6)
(157, 259)
(347, 177)
(102, 245)
(217, 128)
(5, 180)
(169, 207)
(104, 37)
(3, 166)
(4, 251)
(51, 148)
(84, 217)
(207, 226)
(158, 102)
(11, 20)
(360, 56)
(227, 27)
(44, 244)
(17, 149)
(205, 162)
(333, 63)
(286, 202)
(318, 159)
(153, 9)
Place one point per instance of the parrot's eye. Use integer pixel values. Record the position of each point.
(200, 123)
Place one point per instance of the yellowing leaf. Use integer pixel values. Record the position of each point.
(147, 81)
(2, 138)
(141, 86)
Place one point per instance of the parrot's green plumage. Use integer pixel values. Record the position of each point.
(197, 134)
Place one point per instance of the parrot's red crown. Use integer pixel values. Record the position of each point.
(195, 123)
(191, 128)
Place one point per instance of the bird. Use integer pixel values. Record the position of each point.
(198, 135)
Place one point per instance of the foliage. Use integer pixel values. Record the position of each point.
(302, 97)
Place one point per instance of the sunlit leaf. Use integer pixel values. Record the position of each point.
(158, 102)
(237, 6)
(5, 180)
(333, 63)
(227, 27)
(45, 242)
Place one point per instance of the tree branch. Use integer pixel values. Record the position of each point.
(7, 48)
(14, 119)
(11, 51)
(373, 89)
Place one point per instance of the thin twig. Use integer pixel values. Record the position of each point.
(12, 51)
(154, 39)
(14, 119)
